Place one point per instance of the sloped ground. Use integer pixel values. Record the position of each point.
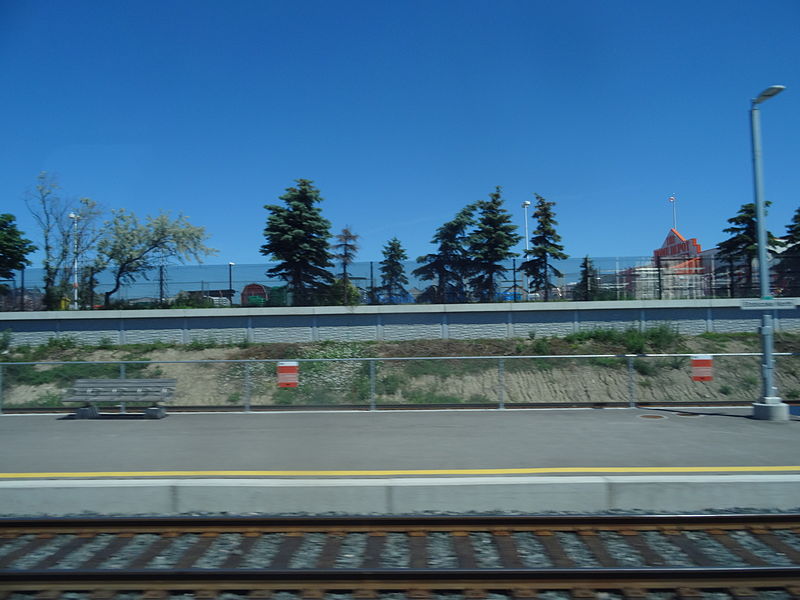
(605, 379)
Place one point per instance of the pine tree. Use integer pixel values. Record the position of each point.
(545, 248)
(297, 237)
(489, 244)
(741, 249)
(393, 276)
(588, 288)
(788, 270)
(13, 247)
(346, 248)
(450, 266)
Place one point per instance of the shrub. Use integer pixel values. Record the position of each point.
(645, 367)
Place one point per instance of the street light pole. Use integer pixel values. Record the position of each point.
(770, 407)
(230, 282)
(525, 206)
(75, 218)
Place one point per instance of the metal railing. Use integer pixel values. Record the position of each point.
(416, 382)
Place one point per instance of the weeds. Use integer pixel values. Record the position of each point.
(633, 341)
(645, 367)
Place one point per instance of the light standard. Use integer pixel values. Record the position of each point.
(75, 218)
(525, 206)
(770, 407)
(230, 282)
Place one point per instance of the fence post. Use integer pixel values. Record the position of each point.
(122, 375)
(1, 389)
(247, 386)
(631, 383)
(372, 405)
(501, 382)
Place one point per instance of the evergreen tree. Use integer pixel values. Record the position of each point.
(741, 249)
(588, 288)
(297, 237)
(346, 249)
(393, 276)
(788, 270)
(13, 247)
(489, 244)
(545, 248)
(450, 266)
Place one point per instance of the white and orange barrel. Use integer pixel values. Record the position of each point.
(702, 365)
(288, 374)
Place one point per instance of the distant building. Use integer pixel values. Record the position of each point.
(678, 270)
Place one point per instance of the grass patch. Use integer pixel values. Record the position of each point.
(607, 362)
(647, 368)
(428, 397)
(661, 339)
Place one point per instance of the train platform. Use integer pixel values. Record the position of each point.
(400, 462)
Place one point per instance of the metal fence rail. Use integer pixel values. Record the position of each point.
(372, 383)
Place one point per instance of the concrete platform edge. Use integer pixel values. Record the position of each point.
(399, 495)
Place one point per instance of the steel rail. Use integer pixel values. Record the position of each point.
(358, 523)
(389, 579)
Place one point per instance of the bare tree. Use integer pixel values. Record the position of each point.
(69, 229)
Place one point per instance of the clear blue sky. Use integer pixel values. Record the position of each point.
(402, 112)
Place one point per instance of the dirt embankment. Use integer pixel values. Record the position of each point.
(604, 379)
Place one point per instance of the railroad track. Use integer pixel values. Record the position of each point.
(743, 556)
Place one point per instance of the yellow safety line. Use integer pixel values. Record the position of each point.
(373, 473)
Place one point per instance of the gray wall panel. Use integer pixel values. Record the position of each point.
(282, 329)
(342, 328)
(474, 325)
(412, 326)
(386, 322)
(555, 323)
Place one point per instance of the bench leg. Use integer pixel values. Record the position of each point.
(87, 412)
(155, 412)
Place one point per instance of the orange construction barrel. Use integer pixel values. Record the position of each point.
(701, 367)
(288, 374)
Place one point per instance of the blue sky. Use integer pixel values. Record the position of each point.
(403, 112)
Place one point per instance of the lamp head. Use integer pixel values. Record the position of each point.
(768, 93)
(526, 204)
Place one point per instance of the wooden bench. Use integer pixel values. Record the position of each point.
(93, 393)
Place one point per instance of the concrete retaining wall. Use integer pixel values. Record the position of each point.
(365, 323)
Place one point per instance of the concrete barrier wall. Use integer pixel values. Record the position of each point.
(366, 323)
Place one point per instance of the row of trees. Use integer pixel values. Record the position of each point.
(471, 250)
(467, 264)
(121, 244)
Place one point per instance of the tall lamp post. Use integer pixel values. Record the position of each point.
(230, 282)
(770, 407)
(525, 206)
(75, 218)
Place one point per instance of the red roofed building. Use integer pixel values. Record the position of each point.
(678, 271)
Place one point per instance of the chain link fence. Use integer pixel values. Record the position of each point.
(615, 278)
(419, 382)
